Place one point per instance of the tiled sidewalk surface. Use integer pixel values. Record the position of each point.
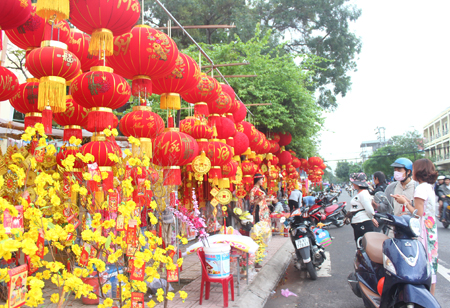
(192, 270)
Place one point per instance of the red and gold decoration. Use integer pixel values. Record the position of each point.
(53, 64)
(104, 19)
(58, 9)
(73, 119)
(157, 52)
(13, 13)
(183, 78)
(26, 101)
(100, 91)
(143, 124)
(79, 45)
(206, 92)
(9, 84)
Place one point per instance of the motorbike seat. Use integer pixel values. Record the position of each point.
(331, 208)
(372, 243)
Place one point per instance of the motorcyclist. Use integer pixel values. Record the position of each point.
(403, 185)
(379, 179)
(440, 181)
(443, 192)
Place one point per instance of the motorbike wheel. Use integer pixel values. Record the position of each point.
(311, 270)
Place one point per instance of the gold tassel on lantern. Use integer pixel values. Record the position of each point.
(102, 39)
(52, 92)
(49, 8)
(170, 101)
(146, 147)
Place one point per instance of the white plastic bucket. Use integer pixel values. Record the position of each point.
(217, 260)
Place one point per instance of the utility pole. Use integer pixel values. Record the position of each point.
(381, 135)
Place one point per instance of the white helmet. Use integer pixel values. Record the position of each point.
(441, 177)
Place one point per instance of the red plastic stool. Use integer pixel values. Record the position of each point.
(206, 279)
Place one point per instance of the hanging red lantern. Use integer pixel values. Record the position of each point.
(275, 161)
(229, 170)
(323, 166)
(241, 143)
(100, 91)
(99, 147)
(225, 128)
(182, 79)
(13, 13)
(304, 165)
(240, 112)
(248, 170)
(79, 45)
(201, 132)
(104, 19)
(157, 54)
(314, 162)
(220, 105)
(285, 139)
(219, 154)
(32, 32)
(173, 149)
(233, 104)
(296, 162)
(9, 84)
(53, 64)
(206, 91)
(274, 146)
(73, 119)
(285, 158)
(187, 124)
(26, 101)
(144, 124)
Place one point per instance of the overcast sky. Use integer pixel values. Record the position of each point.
(403, 76)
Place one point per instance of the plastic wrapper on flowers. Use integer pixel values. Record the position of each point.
(243, 243)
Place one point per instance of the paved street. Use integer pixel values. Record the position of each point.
(331, 288)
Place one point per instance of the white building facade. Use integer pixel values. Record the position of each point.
(437, 140)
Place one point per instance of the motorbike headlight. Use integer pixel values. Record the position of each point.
(388, 265)
(414, 226)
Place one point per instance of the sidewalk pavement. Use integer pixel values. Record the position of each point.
(254, 294)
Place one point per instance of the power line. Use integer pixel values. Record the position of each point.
(376, 156)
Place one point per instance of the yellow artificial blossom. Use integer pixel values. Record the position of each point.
(107, 132)
(51, 150)
(54, 298)
(17, 158)
(115, 132)
(170, 295)
(75, 141)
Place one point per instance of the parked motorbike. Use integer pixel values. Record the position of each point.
(310, 254)
(335, 214)
(384, 206)
(393, 273)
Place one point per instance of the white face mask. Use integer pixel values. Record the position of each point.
(399, 176)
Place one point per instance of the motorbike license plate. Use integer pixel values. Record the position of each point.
(302, 242)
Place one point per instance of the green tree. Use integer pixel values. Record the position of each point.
(345, 168)
(409, 145)
(311, 27)
(280, 81)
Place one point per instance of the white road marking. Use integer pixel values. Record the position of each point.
(444, 271)
(325, 268)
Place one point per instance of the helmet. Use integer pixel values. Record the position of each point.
(441, 177)
(447, 177)
(359, 179)
(403, 163)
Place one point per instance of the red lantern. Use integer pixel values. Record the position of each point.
(241, 143)
(274, 146)
(225, 129)
(201, 132)
(100, 91)
(26, 101)
(187, 124)
(285, 139)
(65, 152)
(9, 84)
(182, 79)
(314, 162)
(32, 32)
(206, 91)
(304, 165)
(220, 105)
(144, 124)
(275, 161)
(240, 112)
(229, 170)
(73, 119)
(100, 148)
(285, 158)
(104, 19)
(248, 170)
(233, 104)
(157, 54)
(219, 154)
(79, 45)
(173, 149)
(53, 64)
(296, 162)
(13, 13)
(323, 166)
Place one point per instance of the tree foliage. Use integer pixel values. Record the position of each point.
(409, 145)
(312, 27)
(280, 81)
(345, 168)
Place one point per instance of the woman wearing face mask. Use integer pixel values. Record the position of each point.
(425, 204)
(404, 185)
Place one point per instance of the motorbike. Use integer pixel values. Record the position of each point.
(310, 254)
(393, 273)
(335, 214)
(447, 214)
